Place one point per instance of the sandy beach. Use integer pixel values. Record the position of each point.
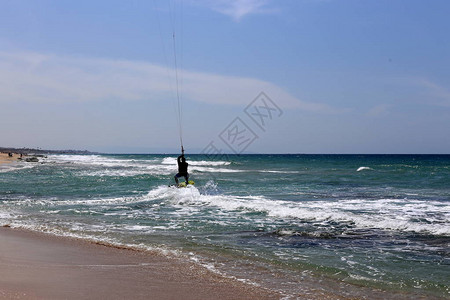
(4, 158)
(40, 266)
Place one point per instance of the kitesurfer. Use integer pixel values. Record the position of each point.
(182, 169)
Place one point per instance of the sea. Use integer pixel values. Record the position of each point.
(355, 226)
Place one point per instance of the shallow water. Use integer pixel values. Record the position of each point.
(377, 221)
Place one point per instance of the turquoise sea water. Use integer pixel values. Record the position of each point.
(292, 223)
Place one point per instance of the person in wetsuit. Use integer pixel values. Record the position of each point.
(182, 169)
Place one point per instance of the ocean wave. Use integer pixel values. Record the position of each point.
(279, 172)
(203, 165)
(430, 217)
(214, 170)
(15, 166)
(384, 214)
(152, 170)
(98, 160)
(173, 161)
(126, 167)
(404, 215)
(130, 171)
(6, 217)
(363, 168)
(55, 202)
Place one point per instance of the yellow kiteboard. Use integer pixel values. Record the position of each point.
(183, 184)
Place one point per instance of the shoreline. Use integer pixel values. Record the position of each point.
(39, 265)
(5, 159)
(278, 278)
(36, 265)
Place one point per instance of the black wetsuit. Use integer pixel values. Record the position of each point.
(182, 169)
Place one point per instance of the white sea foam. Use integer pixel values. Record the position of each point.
(214, 170)
(55, 202)
(408, 215)
(173, 161)
(279, 172)
(15, 166)
(363, 168)
(113, 166)
(5, 218)
(130, 171)
(79, 231)
(98, 160)
(384, 214)
(203, 165)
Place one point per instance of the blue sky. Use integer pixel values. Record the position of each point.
(350, 76)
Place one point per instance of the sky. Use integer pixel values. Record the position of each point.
(254, 76)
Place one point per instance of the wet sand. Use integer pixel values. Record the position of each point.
(40, 266)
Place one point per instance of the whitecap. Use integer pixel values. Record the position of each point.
(363, 168)
(15, 166)
(173, 161)
(384, 214)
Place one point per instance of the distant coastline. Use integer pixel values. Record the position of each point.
(9, 155)
(26, 150)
